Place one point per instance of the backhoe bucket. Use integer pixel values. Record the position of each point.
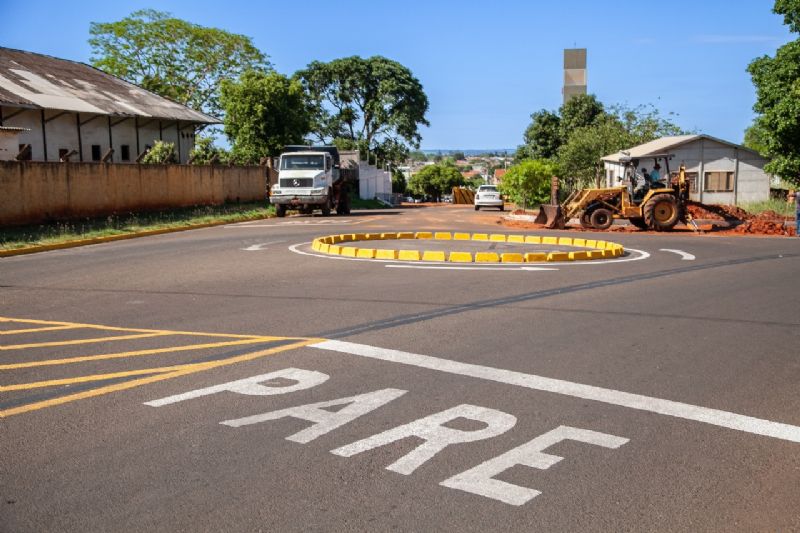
(551, 216)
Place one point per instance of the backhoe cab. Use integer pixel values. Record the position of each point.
(656, 206)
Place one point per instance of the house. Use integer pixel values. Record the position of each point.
(719, 172)
(72, 111)
(498, 175)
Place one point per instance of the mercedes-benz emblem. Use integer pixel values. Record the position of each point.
(295, 183)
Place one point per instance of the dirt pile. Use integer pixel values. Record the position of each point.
(730, 213)
(766, 223)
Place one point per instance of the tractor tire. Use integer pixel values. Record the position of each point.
(586, 223)
(638, 222)
(661, 212)
(280, 210)
(601, 218)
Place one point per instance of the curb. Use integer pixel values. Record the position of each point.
(589, 248)
(121, 237)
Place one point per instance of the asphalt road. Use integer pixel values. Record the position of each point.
(656, 392)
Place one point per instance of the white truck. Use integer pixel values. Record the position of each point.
(309, 177)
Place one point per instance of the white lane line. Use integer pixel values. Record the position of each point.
(685, 256)
(259, 247)
(714, 417)
(296, 223)
(433, 267)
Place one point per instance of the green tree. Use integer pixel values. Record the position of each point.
(458, 156)
(398, 181)
(528, 182)
(580, 156)
(204, 151)
(777, 82)
(172, 57)
(435, 180)
(374, 100)
(755, 137)
(578, 112)
(263, 113)
(161, 153)
(542, 137)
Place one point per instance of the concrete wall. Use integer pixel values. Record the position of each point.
(751, 183)
(61, 131)
(32, 192)
(373, 182)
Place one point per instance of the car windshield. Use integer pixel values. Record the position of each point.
(487, 189)
(302, 162)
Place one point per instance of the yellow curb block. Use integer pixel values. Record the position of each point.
(597, 249)
(460, 257)
(122, 237)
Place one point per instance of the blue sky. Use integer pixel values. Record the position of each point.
(486, 66)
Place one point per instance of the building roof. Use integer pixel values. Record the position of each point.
(499, 172)
(13, 129)
(38, 81)
(662, 146)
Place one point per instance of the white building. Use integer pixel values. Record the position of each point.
(720, 172)
(71, 110)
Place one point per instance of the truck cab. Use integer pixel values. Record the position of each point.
(306, 177)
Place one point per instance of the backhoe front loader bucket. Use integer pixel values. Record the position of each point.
(551, 216)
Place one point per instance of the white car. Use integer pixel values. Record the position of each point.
(488, 196)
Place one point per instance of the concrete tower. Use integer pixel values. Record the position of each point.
(574, 72)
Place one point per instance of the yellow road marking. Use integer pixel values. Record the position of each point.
(34, 330)
(85, 379)
(136, 353)
(114, 328)
(190, 369)
(82, 341)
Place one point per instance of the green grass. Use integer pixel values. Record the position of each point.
(59, 232)
(782, 207)
(358, 203)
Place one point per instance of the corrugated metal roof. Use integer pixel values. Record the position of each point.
(663, 145)
(43, 82)
(658, 146)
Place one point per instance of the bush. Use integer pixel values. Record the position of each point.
(161, 153)
(529, 181)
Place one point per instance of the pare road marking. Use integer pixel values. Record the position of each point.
(259, 247)
(432, 430)
(685, 256)
(714, 417)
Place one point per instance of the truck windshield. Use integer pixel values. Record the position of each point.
(303, 162)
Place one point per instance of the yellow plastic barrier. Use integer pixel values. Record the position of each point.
(597, 249)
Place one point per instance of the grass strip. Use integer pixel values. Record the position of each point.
(16, 237)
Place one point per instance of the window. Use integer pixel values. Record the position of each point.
(125, 152)
(26, 151)
(302, 162)
(718, 181)
(62, 153)
(96, 152)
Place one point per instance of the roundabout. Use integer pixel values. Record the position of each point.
(461, 248)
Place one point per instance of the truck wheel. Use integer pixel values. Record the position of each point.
(326, 208)
(601, 218)
(586, 223)
(280, 210)
(661, 212)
